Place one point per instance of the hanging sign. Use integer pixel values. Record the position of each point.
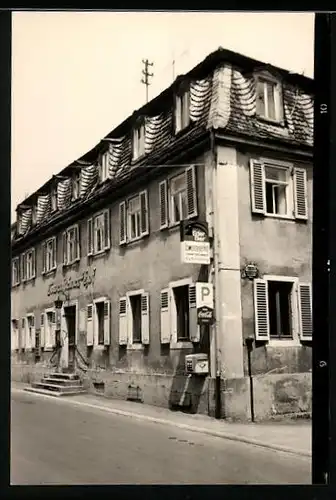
(195, 245)
(204, 303)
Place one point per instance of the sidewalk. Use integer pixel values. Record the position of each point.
(293, 437)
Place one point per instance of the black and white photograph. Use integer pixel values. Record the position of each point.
(161, 248)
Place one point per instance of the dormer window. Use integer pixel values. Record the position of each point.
(139, 141)
(269, 99)
(182, 110)
(53, 197)
(75, 186)
(104, 166)
(34, 214)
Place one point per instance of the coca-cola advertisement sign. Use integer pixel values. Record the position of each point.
(204, 315)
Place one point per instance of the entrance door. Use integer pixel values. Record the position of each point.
(70, 318)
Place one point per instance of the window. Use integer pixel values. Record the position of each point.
(49, 249)
(134, 318)
(182, 111)
(269, 103)
(139, 141)
(178, 313)
(53, 197)
(34, 215)
(15, 271)
(98, 322)
(15, 335)
(278, 189)
(133, 214)
(30, 331)
(104, 167)
(75, 186)
(28, 264)
(98, 229)
(71, 245)
(48, 328)
(178, 198)
(280, 312)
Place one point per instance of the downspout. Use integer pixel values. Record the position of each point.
(216, 242)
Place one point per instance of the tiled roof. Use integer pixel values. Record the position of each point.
(222, 96)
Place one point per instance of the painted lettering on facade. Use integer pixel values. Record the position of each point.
(85, 279)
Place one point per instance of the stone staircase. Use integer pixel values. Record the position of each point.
(58, 384)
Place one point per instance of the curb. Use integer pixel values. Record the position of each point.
(157, 420)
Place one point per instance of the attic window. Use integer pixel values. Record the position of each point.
(53, 199)
(138, 141)
(269, 99)
(104, 166)
(182, 110)
(75, 186)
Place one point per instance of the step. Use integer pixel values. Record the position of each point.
(53, 393)
(60, 381)
(55, 387)
(64, 376)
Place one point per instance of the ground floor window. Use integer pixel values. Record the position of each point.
(280, 295)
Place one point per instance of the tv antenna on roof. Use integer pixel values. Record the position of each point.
(146, 75)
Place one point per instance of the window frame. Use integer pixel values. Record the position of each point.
(131, 345)
(15, 334)
(174, 342)
(125, 218)
(182, 97)
(268, 79)
(33, 327)
(25, 265)
(104, 166)
(74, 227)
(139, 140)
(44, 247)
(18, 280)
(95, 325)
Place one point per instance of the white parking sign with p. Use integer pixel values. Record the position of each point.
(204, 295)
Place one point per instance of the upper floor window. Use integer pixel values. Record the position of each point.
(133, 218)
(71, 245)
(75, 186)
(15, 271)
(269, 99)
(28, 264)
(178, 198)
(49, 250)
(278, 189)
(98, 228)
(182, 110)
(138, 141)
(104, 166)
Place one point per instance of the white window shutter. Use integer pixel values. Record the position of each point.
(34, 262)
(107, 321)
(194, 328)
(178, 114)
(89, 237)
(23, 334)
(145, 318)
(65, 248)
(257, 180)
(122, 223)
(144, 219)
(54, 243)
(53, 329)
(123, 330)
(42, 330)
(33, 334)
(305, 307)
(106, 229)
(191, 191)
(77, 232)
(89, 325)
(23, 267)
(44, 256)
(165, 316)
(300, 193)
(261, 314)
(163, 196)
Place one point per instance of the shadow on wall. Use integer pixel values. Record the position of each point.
(188, 392)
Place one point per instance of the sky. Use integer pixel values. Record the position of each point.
(77, 75)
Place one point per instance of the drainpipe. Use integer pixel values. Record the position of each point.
(249, 344)
(216, 240)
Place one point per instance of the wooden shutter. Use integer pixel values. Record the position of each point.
(77, 233)
(305, 307)
(48, 344)
(54, 245)
(90, 237)
(163, 197)
(165, 317)
(33, 333)
(44, 256)
(191, 191)
(122, 223)
(107, 321)
(123, 330)
(300, 193)
(42, 330)
(194, 328)
(106, 229)
(23, 334)
(33, 263)
(144, 219)
(89, 324)
(23, 267)
(145, 318)
(65, 248)
(261, 315)
(257, 180)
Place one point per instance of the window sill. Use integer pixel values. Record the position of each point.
(14, 285)
(135, 160)
(134, 240)
(99, 347)
(28, 280)
(185, 344)
(69, 264)
(271, 121)
(51, 271)
(279, 216)
(284, 343)
(98, 254)
(135, 347)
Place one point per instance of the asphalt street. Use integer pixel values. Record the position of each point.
(56, 443)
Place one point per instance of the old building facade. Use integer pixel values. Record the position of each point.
(230, 143)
